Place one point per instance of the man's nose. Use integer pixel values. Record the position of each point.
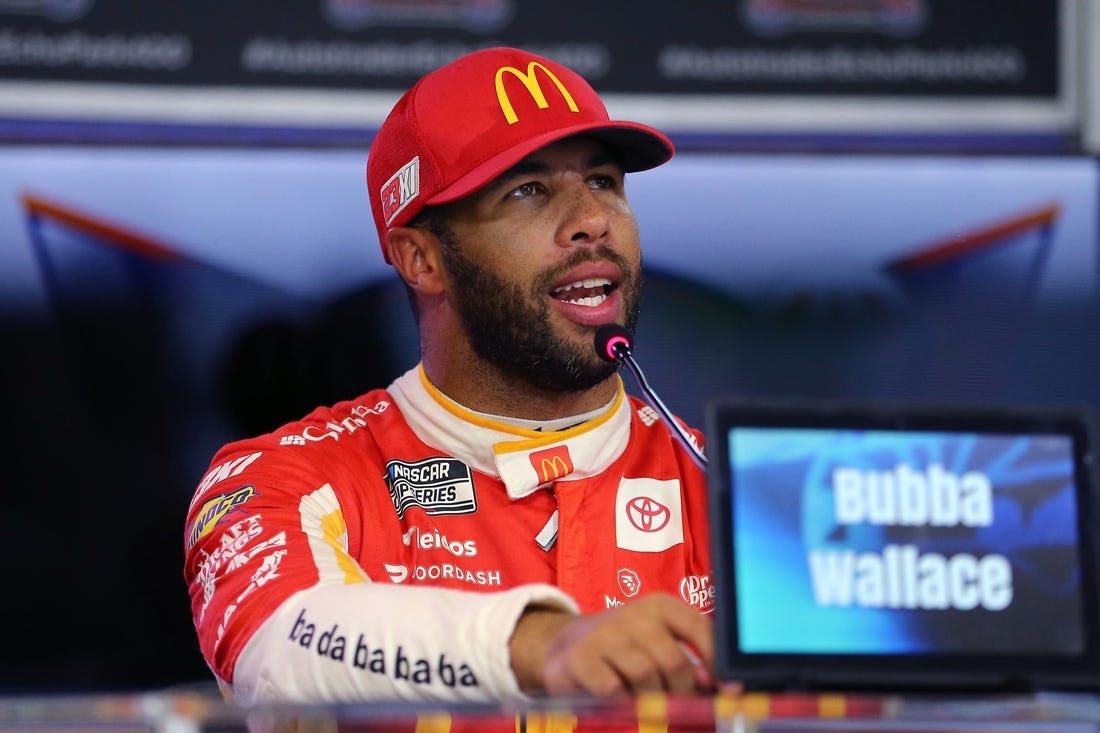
(587, 219)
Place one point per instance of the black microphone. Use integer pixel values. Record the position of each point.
(614, 343)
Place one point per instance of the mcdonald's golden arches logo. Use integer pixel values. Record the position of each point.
(552, 464)
(531, 82)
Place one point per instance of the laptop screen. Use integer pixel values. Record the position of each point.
(902, 546)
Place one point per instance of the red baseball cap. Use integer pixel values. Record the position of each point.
(465, 123)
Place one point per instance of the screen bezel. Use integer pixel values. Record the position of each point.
(947, 671)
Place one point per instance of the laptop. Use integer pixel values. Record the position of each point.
(895, 547)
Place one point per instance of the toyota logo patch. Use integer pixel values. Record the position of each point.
(646, 514)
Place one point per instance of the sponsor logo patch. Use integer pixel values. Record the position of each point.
(531, 83)
(333, 429)
(629, 582)
(696, 590)
(648, 515)
(216, 509)
(436, 485)
(399, 573)
(226, 470)
(402, 187)
(552, 464)
(431, 539)
(648, 415)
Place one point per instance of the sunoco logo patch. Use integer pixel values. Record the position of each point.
(436, 485)
(215, 510)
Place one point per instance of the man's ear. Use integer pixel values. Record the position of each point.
(414, 253)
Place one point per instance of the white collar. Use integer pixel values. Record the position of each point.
(523, 459)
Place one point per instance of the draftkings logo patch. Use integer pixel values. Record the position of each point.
(436, 485)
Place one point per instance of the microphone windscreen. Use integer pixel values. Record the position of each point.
(613, 342)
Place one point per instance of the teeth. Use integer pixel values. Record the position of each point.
(596, 300)
(592, 282)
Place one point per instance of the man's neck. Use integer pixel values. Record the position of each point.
(547, 426)
(488, 390)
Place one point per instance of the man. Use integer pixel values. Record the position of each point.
(502, 521)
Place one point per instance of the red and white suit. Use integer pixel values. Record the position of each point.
(382, 549)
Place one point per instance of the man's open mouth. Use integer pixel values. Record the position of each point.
(590, 292)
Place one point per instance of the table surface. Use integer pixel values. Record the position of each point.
(200, 712)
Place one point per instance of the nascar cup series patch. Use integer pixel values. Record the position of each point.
(436, 485)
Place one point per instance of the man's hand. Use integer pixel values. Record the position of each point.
(654, 643)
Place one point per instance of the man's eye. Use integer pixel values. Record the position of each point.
(603, 181)
(527, 189)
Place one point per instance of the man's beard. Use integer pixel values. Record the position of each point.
(509, 326)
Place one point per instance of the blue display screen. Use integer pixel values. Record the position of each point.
(905, 542)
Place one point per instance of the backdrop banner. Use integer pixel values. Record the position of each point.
(1019, 51)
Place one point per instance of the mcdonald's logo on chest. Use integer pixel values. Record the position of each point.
(552, 464)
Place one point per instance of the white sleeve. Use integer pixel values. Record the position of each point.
(375, 641)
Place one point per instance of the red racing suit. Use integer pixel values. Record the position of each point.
(383, 548)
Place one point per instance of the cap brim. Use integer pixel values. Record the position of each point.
(637, 147)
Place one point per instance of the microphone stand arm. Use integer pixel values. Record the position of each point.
(622, 352)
